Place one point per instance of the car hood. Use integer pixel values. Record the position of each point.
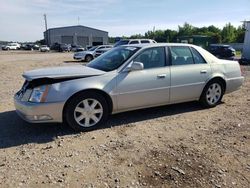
(62, 72)
(85, 52)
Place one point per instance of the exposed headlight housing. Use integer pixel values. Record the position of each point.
(39, 94)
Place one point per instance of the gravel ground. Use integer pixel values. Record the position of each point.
(179, 145)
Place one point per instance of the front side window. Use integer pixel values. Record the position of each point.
(113, 59)
(152, 58)
(181, 55)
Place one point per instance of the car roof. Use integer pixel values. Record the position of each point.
(158, 45)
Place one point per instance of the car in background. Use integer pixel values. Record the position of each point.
(75, 48)
(64, 48)
(101, 51)
(80, 49)
(222, 51)
(23, 45)
(134, 41)
(55, 46)
(89, 55)
(11, 46)
(44, 48)
(31, 46)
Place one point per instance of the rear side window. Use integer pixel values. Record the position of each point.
(198, 59)
(181, 55)
(134, 42)
(145, 41)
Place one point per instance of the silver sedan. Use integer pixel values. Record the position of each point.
(125, 78)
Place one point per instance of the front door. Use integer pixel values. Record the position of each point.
(147, 87)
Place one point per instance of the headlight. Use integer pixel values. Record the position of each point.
(39, 94)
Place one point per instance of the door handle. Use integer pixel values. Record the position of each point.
(203, 71)
(161, 76)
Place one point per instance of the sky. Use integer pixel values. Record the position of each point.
(22, 20)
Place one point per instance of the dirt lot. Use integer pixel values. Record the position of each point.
(180, 145)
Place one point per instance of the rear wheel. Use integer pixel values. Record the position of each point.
(212, 93)
(86, 111)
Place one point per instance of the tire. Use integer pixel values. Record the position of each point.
(86, 111)
(212, 93)
(89, 58)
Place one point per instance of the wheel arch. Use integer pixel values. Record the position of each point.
(216, 78)
(91, 55)
(101, 92)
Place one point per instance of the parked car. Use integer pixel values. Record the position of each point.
(222, 51)
(22, 46)
(134, 41)
(31, 46)
(101, 51)
(80, 49)
(11, 46)
(75, 48)
(44, 48)
(125, 78)
(55, 46)
(89, 54)
(64, 48)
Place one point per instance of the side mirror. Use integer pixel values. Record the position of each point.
(135, 66)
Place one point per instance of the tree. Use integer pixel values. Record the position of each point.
(170, 35)
(228, 33)
(240, 34)
(186, 30)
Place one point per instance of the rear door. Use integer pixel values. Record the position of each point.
(189, 72)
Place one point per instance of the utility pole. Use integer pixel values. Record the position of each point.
(46, 29)
(78, 20)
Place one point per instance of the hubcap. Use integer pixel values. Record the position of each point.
(213, 93)
(88, 112)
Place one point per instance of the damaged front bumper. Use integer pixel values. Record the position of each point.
(39, 112)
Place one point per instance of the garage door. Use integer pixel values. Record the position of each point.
(97, 41)
(83, 41)
(67, 39)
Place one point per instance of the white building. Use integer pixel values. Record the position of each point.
(246, 47)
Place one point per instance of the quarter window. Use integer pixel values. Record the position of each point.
(198, 59)
(152, 58)
(181, 55)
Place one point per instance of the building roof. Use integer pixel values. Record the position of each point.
(76, 26)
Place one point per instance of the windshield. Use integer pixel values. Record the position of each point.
(93, 48)
(113, 59)
(121, 42)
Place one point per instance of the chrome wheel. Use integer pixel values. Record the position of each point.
(88, 112)
(214, 93)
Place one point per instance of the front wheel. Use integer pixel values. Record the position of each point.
(86, 111)
(88, 58)
(212, 94)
